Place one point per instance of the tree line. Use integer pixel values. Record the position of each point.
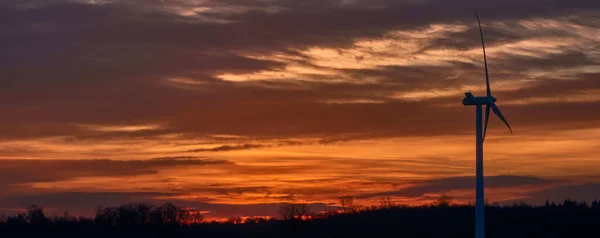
(441, 218)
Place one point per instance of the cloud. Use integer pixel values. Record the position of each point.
(17, 171)
(175, 158)
(230, 190)
(83, 203)
(564, 88)
(225, 148)
(463, 183)
(108, 78)
(229, 148)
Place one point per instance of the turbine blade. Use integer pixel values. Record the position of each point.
(487, 118)
(497, 112)
(487, 78)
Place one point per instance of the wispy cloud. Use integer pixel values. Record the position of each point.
(464, 183)
(21, 171)
(229, 148)
(116, 128)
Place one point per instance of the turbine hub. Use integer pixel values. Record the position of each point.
(471, 100)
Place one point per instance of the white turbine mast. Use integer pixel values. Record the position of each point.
(490, 103)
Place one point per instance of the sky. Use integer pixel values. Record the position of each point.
(234, 106)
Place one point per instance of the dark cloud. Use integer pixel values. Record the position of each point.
(222, 189)
(230, 148)
(14, 171)
(555, 87)
(109, 67)
(269, 116)
(565, 60)
(463, 183)
(83, 203)
(176, 158)
(225, 148)
(412, 78)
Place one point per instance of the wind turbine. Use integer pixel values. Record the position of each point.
(489, 103)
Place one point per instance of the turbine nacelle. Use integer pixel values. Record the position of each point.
(472, 100)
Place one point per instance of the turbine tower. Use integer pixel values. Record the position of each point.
(489, 103)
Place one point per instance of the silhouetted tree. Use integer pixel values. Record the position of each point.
(386, 202)
(194, 216)
(347, 204)
(595, 204)
(143, 210)
(106, 215)
(35, 215)
(293, 210)
(568, 203)
(128, 215)
(235, 220)
(65, 218)
(20, 218)
(170, 214)
(255, 220)
(443, 201)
